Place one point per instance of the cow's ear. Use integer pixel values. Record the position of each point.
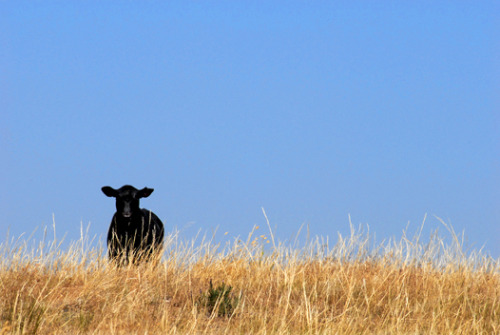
(109, 191)
(144, 193)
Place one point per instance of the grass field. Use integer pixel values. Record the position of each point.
(253, 286)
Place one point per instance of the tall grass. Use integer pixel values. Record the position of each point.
(252, 286)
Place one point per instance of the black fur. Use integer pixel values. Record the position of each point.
(134, 233)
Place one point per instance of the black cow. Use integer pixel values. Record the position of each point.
(135, 233)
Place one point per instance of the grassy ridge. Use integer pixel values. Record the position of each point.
(253, 286)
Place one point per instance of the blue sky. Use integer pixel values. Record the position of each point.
(382, 110)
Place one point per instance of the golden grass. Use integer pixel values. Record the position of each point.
(402, 287)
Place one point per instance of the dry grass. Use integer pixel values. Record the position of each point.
(402, 287)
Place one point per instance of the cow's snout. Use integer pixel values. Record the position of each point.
(127, 210)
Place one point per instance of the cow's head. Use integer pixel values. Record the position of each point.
(127, 199)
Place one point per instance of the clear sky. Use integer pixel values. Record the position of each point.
(384, 110)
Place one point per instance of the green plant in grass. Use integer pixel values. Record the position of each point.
(219, 300)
